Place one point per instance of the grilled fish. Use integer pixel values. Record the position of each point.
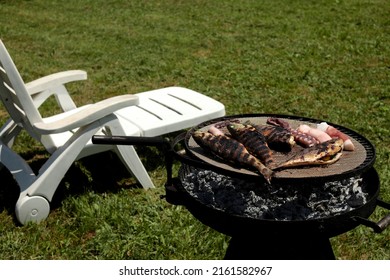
(324, 153)
(277, 137)
(254, 141)
(231, 150)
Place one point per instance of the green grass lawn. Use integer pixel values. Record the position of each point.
(321, 59)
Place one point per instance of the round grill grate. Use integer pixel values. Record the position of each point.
(351, 163)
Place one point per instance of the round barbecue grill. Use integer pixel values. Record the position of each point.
(268, 238)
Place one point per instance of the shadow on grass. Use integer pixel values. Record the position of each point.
(101, 173)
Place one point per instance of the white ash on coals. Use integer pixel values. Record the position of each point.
(283, 203)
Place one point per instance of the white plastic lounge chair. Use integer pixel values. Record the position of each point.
(67, 135)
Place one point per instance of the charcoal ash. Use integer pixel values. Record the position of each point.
(275, 202)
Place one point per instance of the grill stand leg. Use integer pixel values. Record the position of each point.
(280, 247)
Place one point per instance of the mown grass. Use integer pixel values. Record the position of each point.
(321, 59)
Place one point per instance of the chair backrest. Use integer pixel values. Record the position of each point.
(14, 94)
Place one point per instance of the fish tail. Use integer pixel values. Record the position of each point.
(267, 173)
(263, 170)
(279, 122)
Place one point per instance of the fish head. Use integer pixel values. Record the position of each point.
(202, 138)
(233, 128)
(326, 149)
(199, 135)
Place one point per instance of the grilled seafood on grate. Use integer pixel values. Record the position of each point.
(277, 138)
(254, 141)
(249, 144)
(230, 150)
(324, 153)
(334, 132)
(304, 139)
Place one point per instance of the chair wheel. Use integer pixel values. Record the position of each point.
(32, 209)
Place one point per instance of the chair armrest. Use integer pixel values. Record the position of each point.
(44, 87)
(88, 115)
(54, 80)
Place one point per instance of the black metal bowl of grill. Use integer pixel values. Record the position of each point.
(234, 224)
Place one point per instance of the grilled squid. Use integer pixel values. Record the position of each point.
(320, 135)
(335, 133)
(215, 131)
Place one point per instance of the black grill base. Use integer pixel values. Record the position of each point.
(283, 247)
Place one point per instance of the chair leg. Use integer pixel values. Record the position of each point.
(17, 166)
(27, 209)
(55, 168)
(33, 203)
(128, 154)
(130, 158)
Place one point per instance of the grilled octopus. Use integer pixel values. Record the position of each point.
(300, 137)
(278, 138)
